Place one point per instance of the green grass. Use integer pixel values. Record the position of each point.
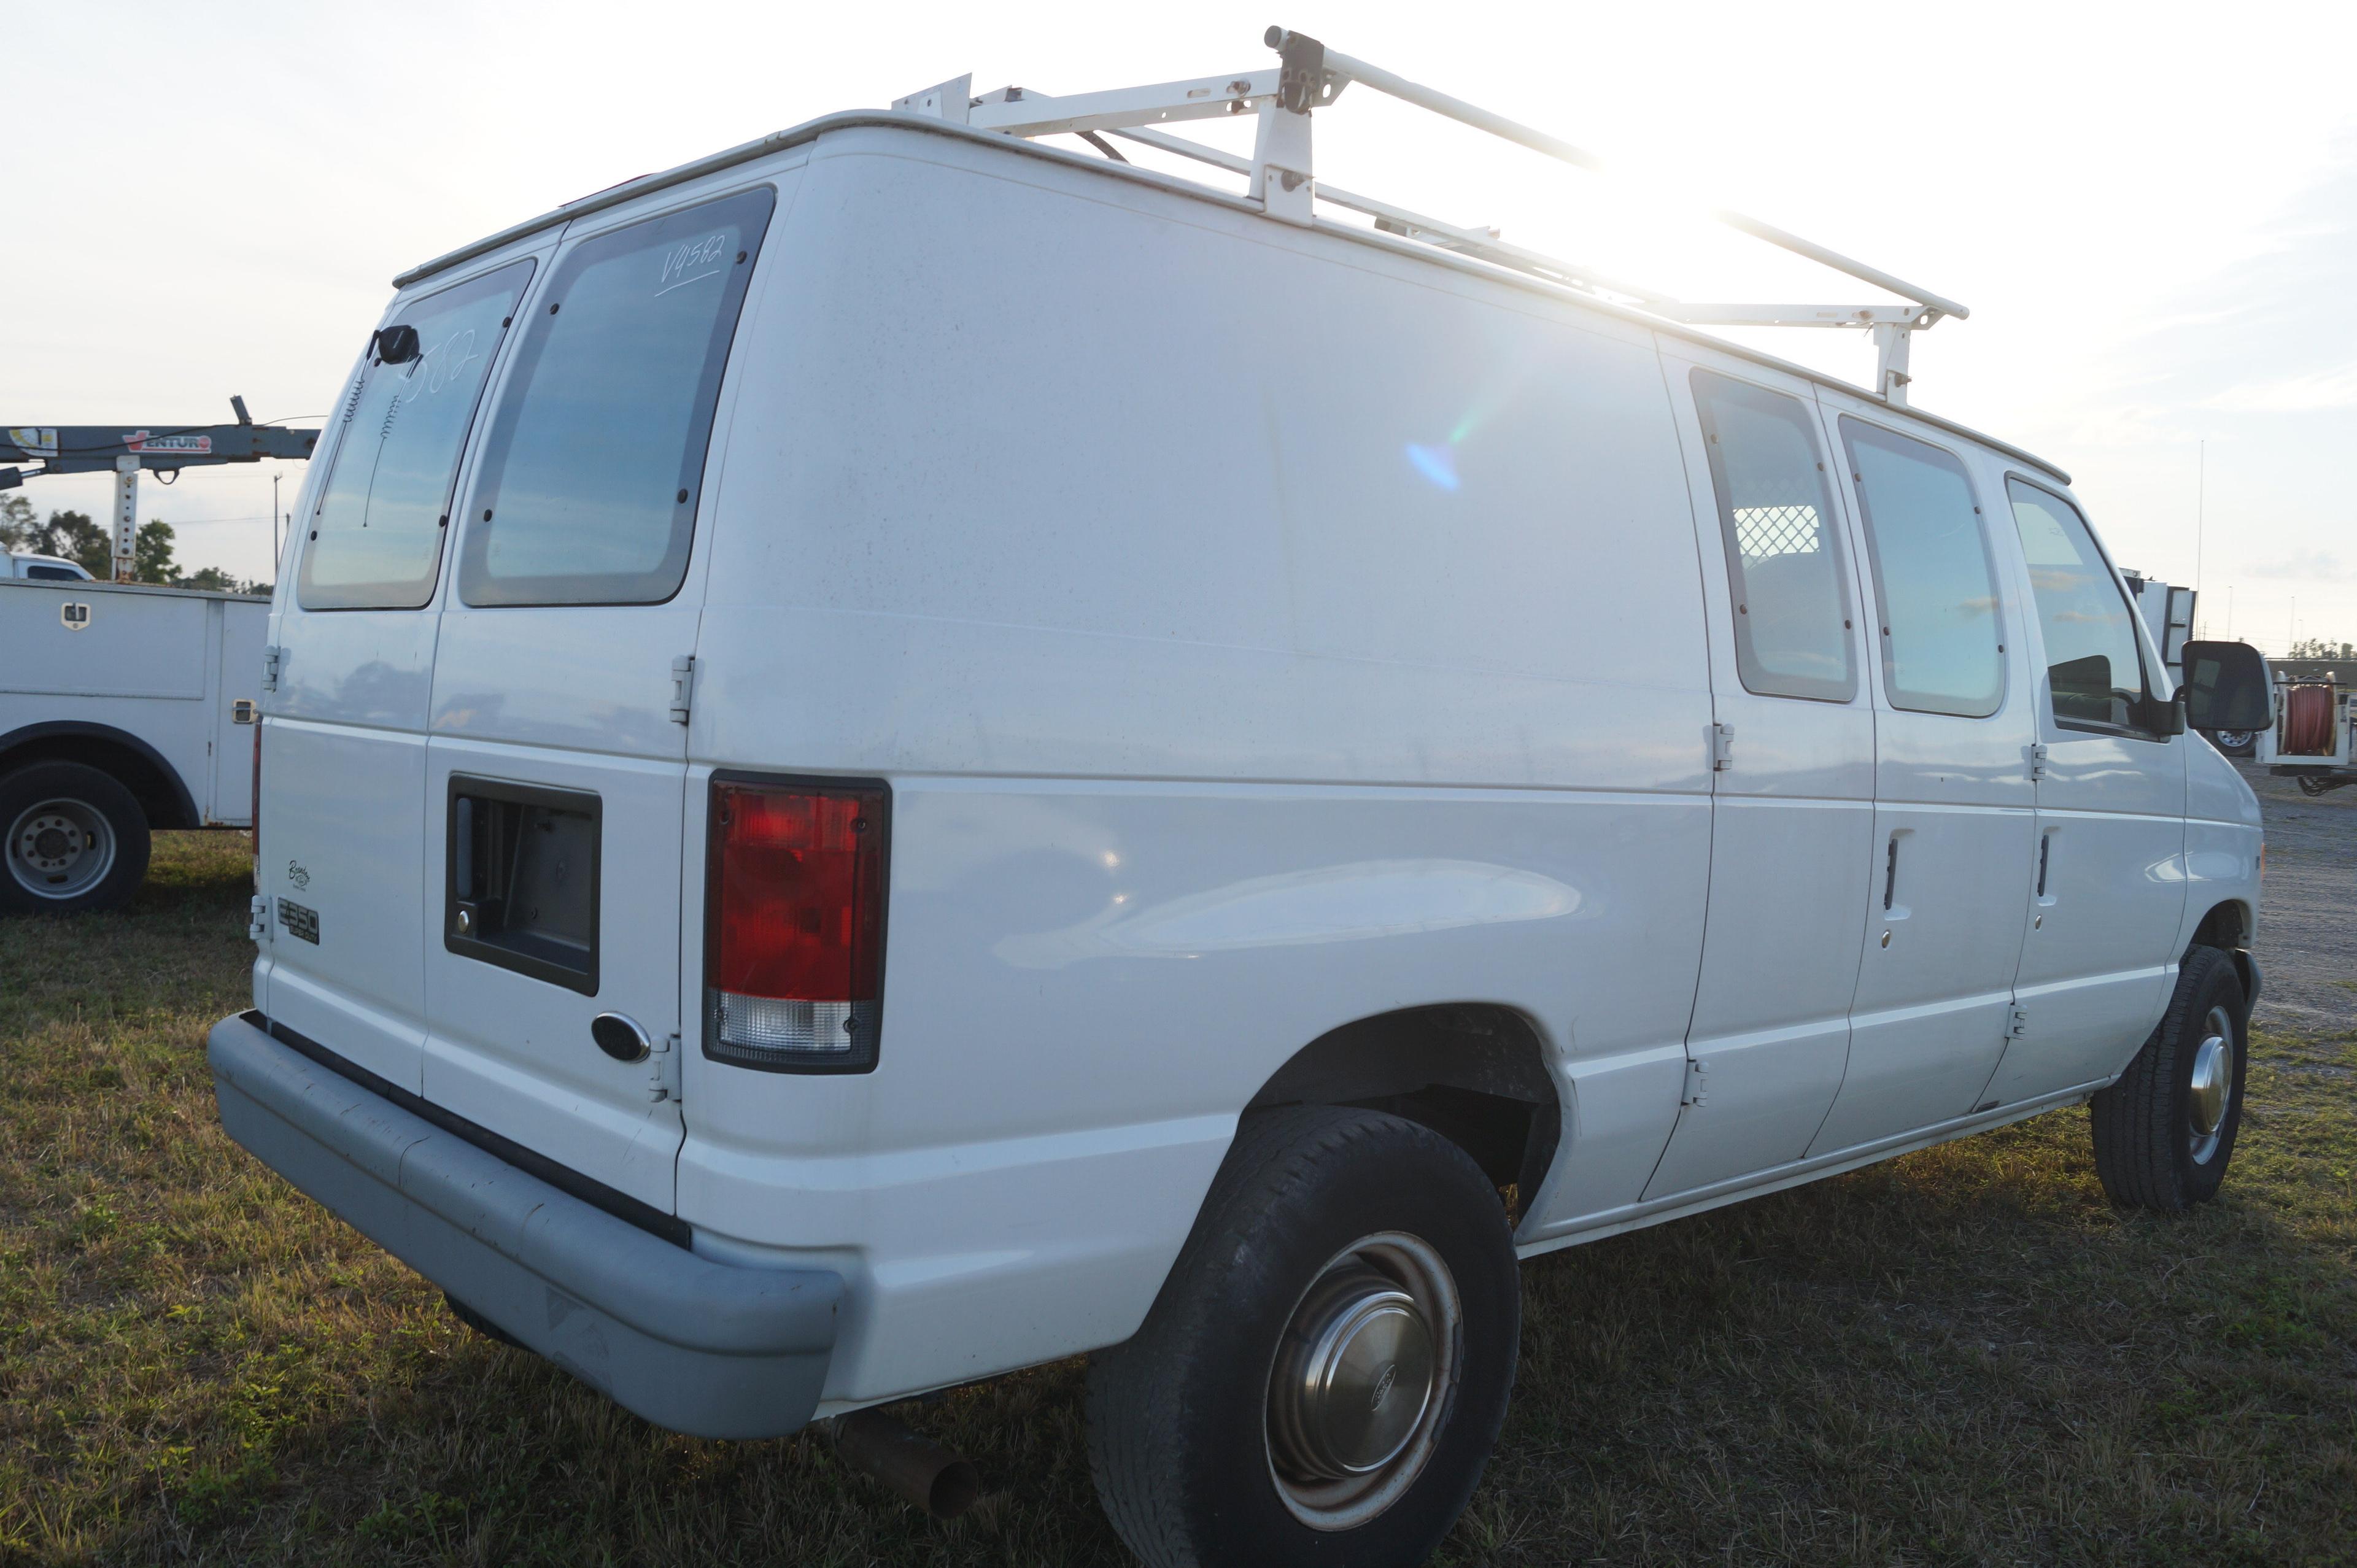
(1964, 1356)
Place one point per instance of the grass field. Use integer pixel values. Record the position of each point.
(1964, 1356)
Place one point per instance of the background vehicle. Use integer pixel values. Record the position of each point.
(46, 568)
(122, 709)
(2313, 736)
(1415, 766)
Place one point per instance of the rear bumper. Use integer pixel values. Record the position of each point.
(700, 1347)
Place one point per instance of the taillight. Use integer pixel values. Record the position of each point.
(794, 924)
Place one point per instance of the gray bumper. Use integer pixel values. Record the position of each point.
(700, 1347)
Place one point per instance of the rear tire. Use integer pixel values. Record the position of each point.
(2165, 1131)
(76, 840)
(1325, 1371)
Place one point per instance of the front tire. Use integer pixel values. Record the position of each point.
(2165, 1131)
(1325, 1371)
(76, 840)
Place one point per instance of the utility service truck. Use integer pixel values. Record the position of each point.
(124, 708)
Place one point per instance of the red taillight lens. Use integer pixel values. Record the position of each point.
(796, 925)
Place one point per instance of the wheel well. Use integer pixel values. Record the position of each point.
(2228, 926)
(161, 795)
(1473, 1072)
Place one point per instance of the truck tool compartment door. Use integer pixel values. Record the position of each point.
(2106, 884)
(1952, 819)
(1793, 799)
(244, 626)
(343, 758)
(557, 762)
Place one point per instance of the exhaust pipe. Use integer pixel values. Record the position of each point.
(911, 1466)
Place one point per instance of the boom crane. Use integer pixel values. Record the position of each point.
(166, 449)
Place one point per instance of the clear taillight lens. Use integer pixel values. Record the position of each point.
(794, 924)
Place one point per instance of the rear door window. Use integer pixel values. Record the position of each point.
(1785, 561)
(591, 470)
(376, 534)
(2093, 665)
(1942, 652)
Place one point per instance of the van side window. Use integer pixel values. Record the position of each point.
(1784, 563)
(1940, 652)
(591, 472)
(376, 534)
(2092, 662)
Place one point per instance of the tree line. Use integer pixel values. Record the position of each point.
(77, 537)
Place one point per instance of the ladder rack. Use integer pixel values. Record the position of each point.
(1282, 181)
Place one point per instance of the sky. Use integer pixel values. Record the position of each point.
(2151, 210)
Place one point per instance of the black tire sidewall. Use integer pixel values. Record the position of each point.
(1404, 1179)
(2199, 1182)
(101, 792)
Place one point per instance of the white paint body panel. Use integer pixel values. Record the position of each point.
(1259, 629)
(164, 666)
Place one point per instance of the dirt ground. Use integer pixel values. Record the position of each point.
(2307, 943)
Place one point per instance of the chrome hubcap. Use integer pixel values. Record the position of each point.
(1360, 1380)
(2212, 1093)
(56, 849)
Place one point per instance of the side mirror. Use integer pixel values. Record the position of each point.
(2227, 687)
(396, 345)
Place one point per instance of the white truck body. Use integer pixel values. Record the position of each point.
(1276, 644)
(93, 669)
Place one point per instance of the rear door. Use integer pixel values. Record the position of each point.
(344, 750)
(2107, 889)
(555, 772)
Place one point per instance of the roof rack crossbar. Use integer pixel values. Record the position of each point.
(1282, 182)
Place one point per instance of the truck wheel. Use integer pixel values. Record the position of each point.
(76, 840)
(2165, 1130)
(1324, 1373)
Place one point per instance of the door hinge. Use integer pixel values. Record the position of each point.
(2036, 762)
(1722, 748)
(662, 1070)
(1696, 1091)
(270, 659)
(2018, 1025)
(257, 919)
(682, 687)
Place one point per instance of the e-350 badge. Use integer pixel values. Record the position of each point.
(297, 920)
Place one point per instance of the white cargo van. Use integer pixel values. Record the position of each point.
(124, 708)
(900, 754)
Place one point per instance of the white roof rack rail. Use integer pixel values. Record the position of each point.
(1310, 76)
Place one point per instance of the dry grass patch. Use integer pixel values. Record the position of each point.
(1965, 1356)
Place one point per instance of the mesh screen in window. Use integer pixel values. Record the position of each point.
(592, 468)
(1784, 564)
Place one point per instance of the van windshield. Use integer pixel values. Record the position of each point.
(376, 539)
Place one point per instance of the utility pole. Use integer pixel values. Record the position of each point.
(2200, 495)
